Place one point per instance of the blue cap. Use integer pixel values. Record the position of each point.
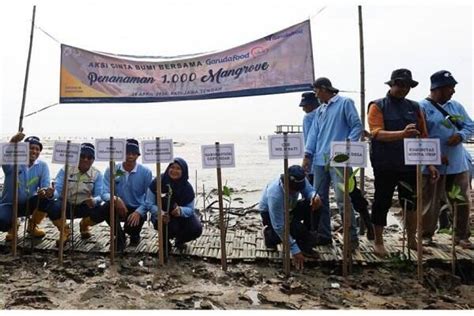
(132, 146)
(297, 178)
(34, 140)
(441, 79)
(309, 98)
(88, 149)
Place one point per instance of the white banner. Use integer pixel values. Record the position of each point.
(278, 63)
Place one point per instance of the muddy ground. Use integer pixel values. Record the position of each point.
(87, 281)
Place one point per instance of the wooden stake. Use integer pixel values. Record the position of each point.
(161, 235)
(221, 211)
(286, 204)
(112, 204)
(64, 205)
(453, 239)
(362, 95)
(419, 214)
(15, 201)
(347, 251)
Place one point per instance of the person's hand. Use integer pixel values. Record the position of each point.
(18, 137)
(298, 261)
(454, 140)
(444, 160)
(45, 193)
(434, 173)
(134, 219)
(306, 164)
(410, 131)
(316, 203)
(166, 218)
(176, 212)
(90, 202)
(120, 207)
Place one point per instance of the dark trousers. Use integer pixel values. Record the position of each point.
(300, 227)
(132, 231)
(76, 211)
(385, 182)
(6, 211)
(184, 229)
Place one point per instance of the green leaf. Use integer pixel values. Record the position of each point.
(446, 124)
(33, 181)
(341, 158)
(339, 173)
(445, 231)
(351, 184)
(341, 186)
(406, 186)
(355, 172)
(226, 191)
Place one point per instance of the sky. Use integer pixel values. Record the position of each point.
(422, 36)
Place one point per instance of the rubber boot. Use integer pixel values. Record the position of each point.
(9, 236)
(33, 223)
(411, 229)
(67, 231)
(84, 225)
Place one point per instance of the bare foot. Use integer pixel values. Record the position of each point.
(414, 246)
(379, 250)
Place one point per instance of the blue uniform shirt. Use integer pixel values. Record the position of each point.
(336, 120)
(186, 210)
(272, 201)
(131, 186)
(456, 155)
(30, 179)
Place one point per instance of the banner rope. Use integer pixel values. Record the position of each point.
(40, 110)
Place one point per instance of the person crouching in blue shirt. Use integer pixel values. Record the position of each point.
(272, 210)
(178, 202)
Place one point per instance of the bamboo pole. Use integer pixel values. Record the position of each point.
(221, 210)
(112, 204)
(286, 203)
(419, 212)
(64, 205)
(347, 219)
(453, 239)
(362, 92)
(15, 200)
(161, 235)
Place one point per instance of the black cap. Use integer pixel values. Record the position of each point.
(309, 98)
(34, 140)
(403, 75)
(324, 83)
(297, 178)
(88, 149)
(132, 146)
(441, 79)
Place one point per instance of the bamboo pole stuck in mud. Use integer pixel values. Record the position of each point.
(347, 254)
(161, 235)
(286, 203)
(419, 227)
(64, 205)
(113, 242)
(221, 210)
(453, 239)
(15, 201)
(362, 92)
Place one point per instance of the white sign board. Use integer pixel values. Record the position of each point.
(105, 151)
(357, 152)
(422, 151)
(8, 153)
(292, 148)
(225, 159)
(59, 153)
(150, 153)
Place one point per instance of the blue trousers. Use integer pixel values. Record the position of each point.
(79, 211)
(6, 211)
(184, 229)
(322, 180)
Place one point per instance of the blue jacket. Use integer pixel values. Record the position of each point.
(336, 120)
(456, 155)
(130, 186)
(272, 201)
(37, 176)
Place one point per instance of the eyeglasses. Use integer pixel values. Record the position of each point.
(88, 157)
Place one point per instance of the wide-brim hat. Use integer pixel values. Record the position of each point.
(324, 83)
(309, 98)
(403, 75)
(441, 79)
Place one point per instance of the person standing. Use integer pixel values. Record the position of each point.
(447, 120)
(335, 120)
(392, 119)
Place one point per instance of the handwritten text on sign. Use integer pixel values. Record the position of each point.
(8, 152)
(151, 153)
(59, 153)
(105, 151)
(357, 152)
(422, 151)
(224, 159)
(291, 148)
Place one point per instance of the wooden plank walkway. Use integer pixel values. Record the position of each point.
(241, 245)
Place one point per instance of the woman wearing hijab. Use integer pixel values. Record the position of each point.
(178, 201)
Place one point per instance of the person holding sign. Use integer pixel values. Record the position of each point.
(391, 119)
(447, 120)
(335, 120)
(178, 203)
(33, 190)
(83, 194)
(272, 210)
(131, 183)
